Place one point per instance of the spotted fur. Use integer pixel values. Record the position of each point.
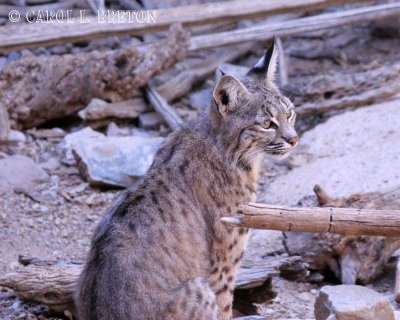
(161, 251)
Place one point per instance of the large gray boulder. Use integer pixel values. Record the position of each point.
(352, 302)
(114, 161)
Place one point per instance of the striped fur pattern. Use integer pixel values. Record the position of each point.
(161, 251)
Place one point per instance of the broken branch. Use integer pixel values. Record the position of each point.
(347, 221)
(163, 108)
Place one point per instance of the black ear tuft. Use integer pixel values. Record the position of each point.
(261, 68)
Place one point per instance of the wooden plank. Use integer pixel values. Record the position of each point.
(348, 221)
(287, 28)
(13, 37)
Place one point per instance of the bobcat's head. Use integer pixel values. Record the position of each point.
(251, 116)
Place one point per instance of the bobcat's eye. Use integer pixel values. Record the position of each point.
(289, 113)
(266, 124)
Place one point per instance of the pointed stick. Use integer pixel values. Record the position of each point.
(348, 221)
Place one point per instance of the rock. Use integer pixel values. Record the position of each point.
(352, 302)
(3, 62)
(51, 164)
(349, 154)
(47, 133)
(114, 161)
(77, 136)
(20, 172)
(114, 131)
(201, 99)
(264, 243)
(234, 70)
(98, 109)
(16, 136)
(140, 133)
(150, 120)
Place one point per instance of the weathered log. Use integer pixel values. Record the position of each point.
(52, 282)
(163, 108)
(319, 93)
(99, 109)
(37, 89)
(349, 258)
(346, 221)
(197, 71)
(324, 93)
(34, 35)
(322, 21)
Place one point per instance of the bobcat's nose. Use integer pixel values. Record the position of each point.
(292, 140)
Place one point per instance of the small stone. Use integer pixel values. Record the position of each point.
(314, 292)
(51, 164)
(20, 172)
(114, 131)
(351, 302)
(16, 305)
(150, 120)
(14, 55)
(44, 209)
(16, 136)
(305, 296)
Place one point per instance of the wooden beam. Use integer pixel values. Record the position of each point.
(348, 221)
(301, 25)
(14, 37)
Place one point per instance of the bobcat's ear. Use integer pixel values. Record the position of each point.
(267, 67)
(228, 94)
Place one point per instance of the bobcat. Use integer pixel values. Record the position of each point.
(161, 251)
